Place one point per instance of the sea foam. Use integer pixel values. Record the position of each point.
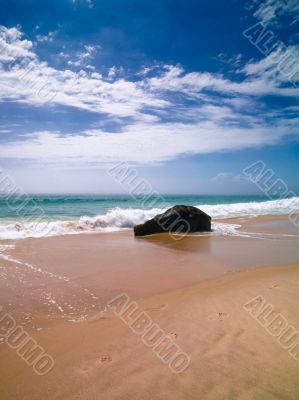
(118, 219)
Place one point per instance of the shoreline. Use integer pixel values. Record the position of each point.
(102, 263)
(86, 225)
(194, 289)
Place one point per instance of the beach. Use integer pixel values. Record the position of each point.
(195, 289)
(149, 200)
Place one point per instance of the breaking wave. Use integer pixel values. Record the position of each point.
(120, 219)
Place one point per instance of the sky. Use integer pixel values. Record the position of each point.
(186, 92)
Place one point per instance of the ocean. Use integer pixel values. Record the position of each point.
(66, 214)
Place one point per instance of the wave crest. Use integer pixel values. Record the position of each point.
(118, 219)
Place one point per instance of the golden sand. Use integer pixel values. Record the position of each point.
(194, 290)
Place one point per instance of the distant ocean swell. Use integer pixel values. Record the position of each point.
(118, 218)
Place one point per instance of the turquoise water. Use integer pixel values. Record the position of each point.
(59, 215)
(69, 207)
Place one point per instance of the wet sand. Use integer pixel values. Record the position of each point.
(194, 289)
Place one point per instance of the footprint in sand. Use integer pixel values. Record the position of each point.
(220, 316)
(275, 285)
(157, 308)
(105, 359)
(172, 335)
(92, 365)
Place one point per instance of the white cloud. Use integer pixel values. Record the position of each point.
(34, 82)
(90, 3)
(266, 82)
(218, 118)
(146, 143)
(222, 175)
(88, 52)
(280, 66)
(229, 177)
(46, 38)
(234, 60)
(12, 47)
(270, 11)
(83, 57)
(74, 63)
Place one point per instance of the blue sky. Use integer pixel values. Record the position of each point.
(188, 92)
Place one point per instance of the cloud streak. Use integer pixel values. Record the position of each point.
(164, 112)
(143, 143)
(270, 11)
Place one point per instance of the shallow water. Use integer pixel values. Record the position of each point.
(57, 215)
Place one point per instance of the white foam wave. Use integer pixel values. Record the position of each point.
(120, 219)
(270, 207)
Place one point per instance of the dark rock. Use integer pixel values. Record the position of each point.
(176, 219)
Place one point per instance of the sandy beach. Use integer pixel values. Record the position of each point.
(59, 288)
(149, 200)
